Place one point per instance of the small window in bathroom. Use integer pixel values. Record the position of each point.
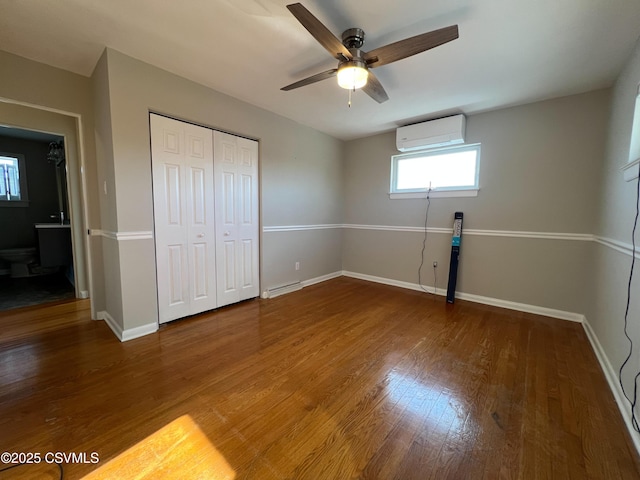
(13, 181)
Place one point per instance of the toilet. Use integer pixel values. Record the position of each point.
(18, 260)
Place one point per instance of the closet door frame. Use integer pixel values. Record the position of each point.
(187, 227)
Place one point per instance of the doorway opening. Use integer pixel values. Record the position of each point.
(36, 252)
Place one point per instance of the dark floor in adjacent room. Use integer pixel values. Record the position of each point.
(36, 290)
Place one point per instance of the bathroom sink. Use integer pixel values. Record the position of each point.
(52, 225)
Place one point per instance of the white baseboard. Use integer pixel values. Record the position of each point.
(523, 307)
(322, 278)
(129, 333)
(141, 331)
(395, 283)
(294, 287)
(612, 378)
(496, 302)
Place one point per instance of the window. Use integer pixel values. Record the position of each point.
(13, 182)
(630, 170)
(448, 172)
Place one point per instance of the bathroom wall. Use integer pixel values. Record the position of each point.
(16, 223)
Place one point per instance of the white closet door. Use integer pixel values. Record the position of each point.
(236, 177)
(183, 197)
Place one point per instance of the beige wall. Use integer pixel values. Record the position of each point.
(104, 145)
(301, 178)
(616, 215)
(617, 203)
(318, 251)
(36, 84)
(539, 172)
(108, 264)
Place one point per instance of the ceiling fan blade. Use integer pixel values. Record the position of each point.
(410, 46)
(321, 33)
(312, 79)
(374, 89)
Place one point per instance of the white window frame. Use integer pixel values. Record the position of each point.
(630, 170)
(22, 172)
(454, 191)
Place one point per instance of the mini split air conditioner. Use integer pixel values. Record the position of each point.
(434, 133)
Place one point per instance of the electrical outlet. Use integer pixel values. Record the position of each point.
(435, 264)
(297, 265)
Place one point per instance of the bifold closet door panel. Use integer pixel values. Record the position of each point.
(237, 223)
(183, 197)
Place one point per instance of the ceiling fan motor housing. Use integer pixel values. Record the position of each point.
(353, 38)
(356, 62)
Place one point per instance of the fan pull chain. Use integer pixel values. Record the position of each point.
(350, 91)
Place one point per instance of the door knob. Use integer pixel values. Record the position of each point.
(200, 235)
(226, 234)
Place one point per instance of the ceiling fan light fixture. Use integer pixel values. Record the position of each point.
(354, 63)
(352, 75)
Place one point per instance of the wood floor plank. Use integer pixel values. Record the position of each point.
(344, 379)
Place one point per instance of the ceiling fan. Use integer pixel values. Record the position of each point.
(354, 65)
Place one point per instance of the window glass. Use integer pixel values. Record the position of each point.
(634, 145)
(10, 178)
(453, 168)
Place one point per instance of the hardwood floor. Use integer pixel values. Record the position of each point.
(345, 379)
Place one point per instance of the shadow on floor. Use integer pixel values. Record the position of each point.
(22, 292)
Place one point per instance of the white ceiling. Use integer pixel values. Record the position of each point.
(509, 52)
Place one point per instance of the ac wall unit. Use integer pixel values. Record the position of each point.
(434, 133)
